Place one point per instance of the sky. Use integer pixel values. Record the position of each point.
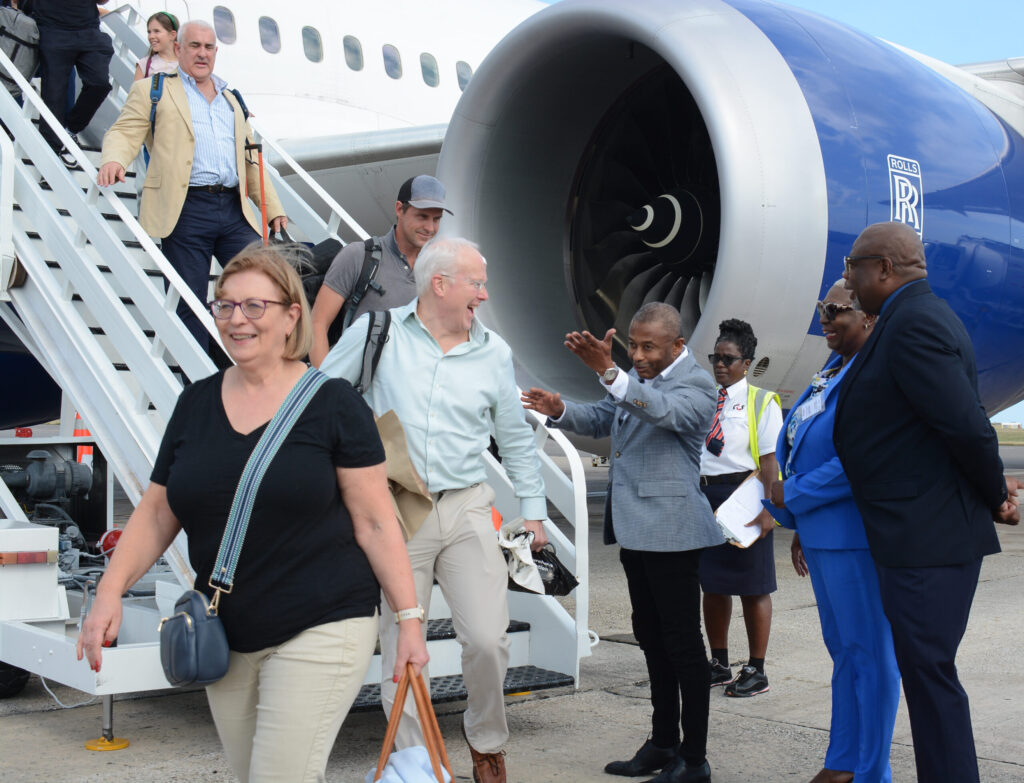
(954, 31)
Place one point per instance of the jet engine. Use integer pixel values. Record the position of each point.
(722, 156)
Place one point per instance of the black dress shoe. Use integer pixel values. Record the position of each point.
(681, 772)
(648, 759)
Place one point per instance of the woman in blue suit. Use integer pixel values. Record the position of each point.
(830, 544)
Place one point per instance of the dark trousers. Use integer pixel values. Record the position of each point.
(928, 610)
(210, 224)
(664, 591)
(87, 51)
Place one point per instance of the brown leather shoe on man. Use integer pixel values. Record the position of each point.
(488, 767)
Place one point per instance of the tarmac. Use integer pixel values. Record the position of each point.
(570, 734)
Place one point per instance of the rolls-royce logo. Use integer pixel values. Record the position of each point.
(905, 193)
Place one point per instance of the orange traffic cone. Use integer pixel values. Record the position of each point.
(84, 453)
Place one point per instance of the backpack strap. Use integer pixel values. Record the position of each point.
(366, 281)
(156, 91)
(376, 336)
(241, 103)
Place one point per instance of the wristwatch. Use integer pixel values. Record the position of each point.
(609, 375)
(416, 613)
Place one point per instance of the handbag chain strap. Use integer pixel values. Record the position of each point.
(223, 575)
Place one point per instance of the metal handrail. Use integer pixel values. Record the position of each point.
(7, 258)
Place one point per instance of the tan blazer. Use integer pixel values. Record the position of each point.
(170, 165)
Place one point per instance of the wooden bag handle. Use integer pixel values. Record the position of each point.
(428, 721)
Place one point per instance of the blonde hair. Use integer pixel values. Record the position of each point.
(278, 262)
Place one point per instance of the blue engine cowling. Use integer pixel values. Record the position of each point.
(723, 156)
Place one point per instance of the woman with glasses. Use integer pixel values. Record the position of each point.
(741, 440)
(830, 544)
(321, 543)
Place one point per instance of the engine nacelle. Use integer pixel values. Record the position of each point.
(723, 156)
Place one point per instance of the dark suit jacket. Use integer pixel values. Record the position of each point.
(915, 441)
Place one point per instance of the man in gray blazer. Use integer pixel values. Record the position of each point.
(657, 415)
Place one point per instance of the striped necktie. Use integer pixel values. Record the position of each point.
(715, 440)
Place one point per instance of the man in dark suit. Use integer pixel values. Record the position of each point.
(657, 415)
(923, 463)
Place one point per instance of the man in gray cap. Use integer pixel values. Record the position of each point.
(377, 274)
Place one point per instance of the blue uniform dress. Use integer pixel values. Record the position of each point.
(820, 506)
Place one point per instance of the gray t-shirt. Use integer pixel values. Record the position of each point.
(394, 275)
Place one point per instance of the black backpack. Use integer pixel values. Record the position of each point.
(323, 254)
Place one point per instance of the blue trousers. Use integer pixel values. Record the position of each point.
(210, 224)
(928, 609)
(865, 678)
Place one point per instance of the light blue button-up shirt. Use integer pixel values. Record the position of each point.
(213, 162)
(448, 403)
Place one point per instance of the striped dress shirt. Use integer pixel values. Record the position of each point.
(213, 161)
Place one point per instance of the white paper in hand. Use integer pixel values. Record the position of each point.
(740, 508)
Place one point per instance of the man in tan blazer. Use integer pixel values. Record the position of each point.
(191, 197)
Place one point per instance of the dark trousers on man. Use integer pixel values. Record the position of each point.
(664, 591)
(210, 224)
(928, 610)
(88, 52)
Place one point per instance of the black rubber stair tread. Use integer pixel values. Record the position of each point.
(445, 689)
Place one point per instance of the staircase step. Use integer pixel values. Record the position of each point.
(446, 689)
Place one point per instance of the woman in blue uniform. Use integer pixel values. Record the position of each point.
(830, 544)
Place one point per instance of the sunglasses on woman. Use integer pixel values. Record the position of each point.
(829, 310)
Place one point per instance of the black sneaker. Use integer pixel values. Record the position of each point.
(74, 138)
(67, 158)
(720, 673)
(749, 683)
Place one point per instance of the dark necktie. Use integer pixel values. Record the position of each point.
(715, 440)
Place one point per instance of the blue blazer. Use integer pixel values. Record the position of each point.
(654, 499)
(818, 496)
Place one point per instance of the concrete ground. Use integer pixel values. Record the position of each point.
(569, 735)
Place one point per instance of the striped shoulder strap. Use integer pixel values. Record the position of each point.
(222, 577)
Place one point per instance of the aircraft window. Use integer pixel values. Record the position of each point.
(270, 36)
(392, 62)
(353, 52)
(428, 65)
(312, 45)
(224, 24)
(463, 73)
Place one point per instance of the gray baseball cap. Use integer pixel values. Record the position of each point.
(423, 192)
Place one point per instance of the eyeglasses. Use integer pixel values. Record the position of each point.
(849, 261)
(723, 358)
(253, 309)
(479, 285)
(829, 310)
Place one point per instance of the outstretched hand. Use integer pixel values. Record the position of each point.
(544, 402)
(596, 354)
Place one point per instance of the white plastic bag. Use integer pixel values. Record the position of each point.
(411, 765)
(515, 541)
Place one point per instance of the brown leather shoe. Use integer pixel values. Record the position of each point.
(488, 767)
(832, 776)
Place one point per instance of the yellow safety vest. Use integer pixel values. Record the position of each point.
(758, 401)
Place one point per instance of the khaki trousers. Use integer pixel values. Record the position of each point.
(457, 545)
(278, 710)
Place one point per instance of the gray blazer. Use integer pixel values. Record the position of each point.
(654, 499)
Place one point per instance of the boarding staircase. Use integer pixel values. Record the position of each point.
(94, 300)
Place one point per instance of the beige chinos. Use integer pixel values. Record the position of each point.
(458, 546)
(278, 710)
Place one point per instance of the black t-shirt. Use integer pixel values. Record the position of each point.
(66, 14)
(300, 565)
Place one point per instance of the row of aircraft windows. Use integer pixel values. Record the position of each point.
(312, 47)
